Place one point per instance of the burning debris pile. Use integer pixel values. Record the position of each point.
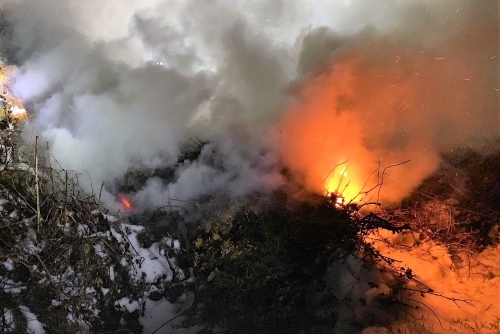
(271, 263)
(264, 269)
(300, 213)
(317, 266)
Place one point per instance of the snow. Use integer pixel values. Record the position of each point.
(349, 281)
(99, 251)
(2, 202)
(82, 230)
(150, 264)
(23, 166)
(34, 326)
(153, 265)
(110, 218)
(89, 290)
(157, 313)
(356, 285)
(117, 235)
(9, 286)
(7, 321)
(130, 305)
(8, 264)
(475, 279)
(111, 273)
(14, 215)
(472, 285)
(28, 242)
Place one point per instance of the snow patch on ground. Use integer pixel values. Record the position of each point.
(465, 276)
(7, 321)
(9, 286)
(130, 305)
(155, 316)
(34, 326)
(356, 286)
(8, 264)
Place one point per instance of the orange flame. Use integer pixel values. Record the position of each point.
(126, 203)
(350, 120)
(346, 189)
(324, 143)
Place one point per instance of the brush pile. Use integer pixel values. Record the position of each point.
(56, 250)
(66, 264)
(270, 264)
(263, 263)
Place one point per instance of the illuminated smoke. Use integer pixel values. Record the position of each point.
(375, 100)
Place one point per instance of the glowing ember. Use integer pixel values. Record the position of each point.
(126, 203)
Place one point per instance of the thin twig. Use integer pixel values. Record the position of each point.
(340, 164)
(47, 273)
(100, 191)
(416, 301)
(383, 172)
(37, 188)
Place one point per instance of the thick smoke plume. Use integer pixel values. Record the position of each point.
(115, 85)
(424, 87)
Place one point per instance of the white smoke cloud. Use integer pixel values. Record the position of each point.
(89, 72)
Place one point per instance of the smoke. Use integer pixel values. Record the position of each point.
(115, 85)
(422, 84)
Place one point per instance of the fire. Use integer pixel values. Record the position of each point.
(126, 203)
(323, 142)
(346, 189)
(358, 116)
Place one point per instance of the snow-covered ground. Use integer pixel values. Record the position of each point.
(465, 287)
(149, 269)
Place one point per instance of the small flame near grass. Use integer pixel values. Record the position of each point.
(127, 205)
